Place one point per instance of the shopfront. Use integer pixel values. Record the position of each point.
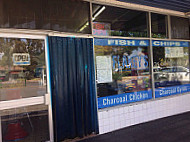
(78, 68)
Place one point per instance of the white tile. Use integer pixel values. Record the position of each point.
(106, 129)
(136, 114)
(122, 124)
(116, 119)
(130, 108)
(149, 111)
(131, 115)
(139, 108)
(148, 105)
(126, 115)
(117, 126)
(112, 128)
(135, 120)
(144, 106)
(121, 110)
(126, 109)
(105, 115)
(101, 123)
(106, 122)
(143, 112)
(116, 112)
(101, 130)
(111, 120)
(127, 123)
(111, 113)
(140, 120)
(132, 122)
(135, 107)
(121, 118)
(100, 115)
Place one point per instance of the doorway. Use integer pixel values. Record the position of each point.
(23, 85)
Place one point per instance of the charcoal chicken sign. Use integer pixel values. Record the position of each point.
(21, 59)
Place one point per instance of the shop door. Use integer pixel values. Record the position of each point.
(23, 85)
(73, 87)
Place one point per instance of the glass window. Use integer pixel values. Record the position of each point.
(114, 21)
(159, 25)
(179, 27)
(59, 15)
(25, 124)
(172, 60)
(122, 71)
(22, 68)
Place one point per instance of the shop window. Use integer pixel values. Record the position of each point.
(179, 27)
(114, 21)
(159, 25)
(122, 71)
(58, 15)
(22, 68)
(171, 67)
(25, 124)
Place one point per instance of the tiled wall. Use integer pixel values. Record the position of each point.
(114, 118)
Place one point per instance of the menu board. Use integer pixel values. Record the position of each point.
(174, 52)
(104, 69)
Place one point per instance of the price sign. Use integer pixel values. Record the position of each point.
(21, 59)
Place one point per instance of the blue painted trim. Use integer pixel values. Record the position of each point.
(48, 64)
(125, 98)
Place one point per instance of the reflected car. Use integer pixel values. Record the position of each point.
(169, 76)
(176, 73)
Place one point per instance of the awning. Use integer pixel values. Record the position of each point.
(177, 5)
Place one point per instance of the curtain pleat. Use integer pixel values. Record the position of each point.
(73, 87)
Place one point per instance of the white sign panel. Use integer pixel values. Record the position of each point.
(21, 59)
(174, 52)
(104, 69)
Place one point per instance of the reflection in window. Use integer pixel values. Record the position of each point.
(173, 65)
(114, 21)
(22, 68)
(159, 25)
(121, 69)
(26, 124)
(59, 15)
(179, 27)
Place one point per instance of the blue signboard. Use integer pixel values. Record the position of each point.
(120, 42)
(168, 91)
(130, 42)
(125, 98)
(170, 43)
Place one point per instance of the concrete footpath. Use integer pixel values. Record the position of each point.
(170, 129)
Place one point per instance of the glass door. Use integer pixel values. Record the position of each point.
(23, 85)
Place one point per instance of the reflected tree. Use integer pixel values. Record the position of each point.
(35, 48)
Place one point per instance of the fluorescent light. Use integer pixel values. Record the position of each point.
(83, 27)
(93, 18)
(98, 13)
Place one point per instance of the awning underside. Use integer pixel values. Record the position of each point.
(177, 5)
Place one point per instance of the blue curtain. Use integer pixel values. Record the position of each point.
(73, 87)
